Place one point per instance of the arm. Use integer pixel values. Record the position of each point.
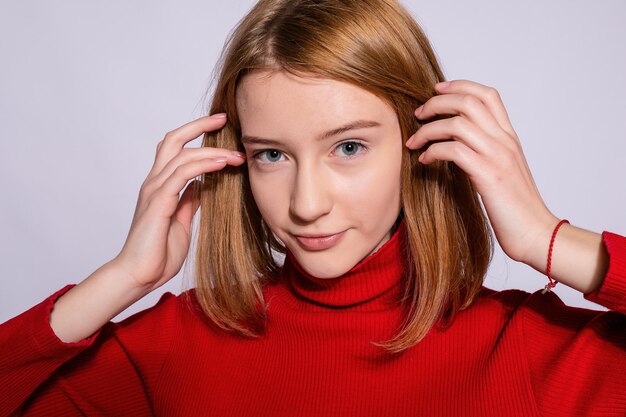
(577, 357)
(67, 324)
(612, 292)
(486, 147)
(159, 237)
(110, 373)
(579, 257)
(85, 308)
(574, 359)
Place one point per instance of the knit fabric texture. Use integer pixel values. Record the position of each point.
(511, 353)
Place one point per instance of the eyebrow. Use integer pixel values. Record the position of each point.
(357, 124)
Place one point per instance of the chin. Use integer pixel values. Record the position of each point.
(325, 271)
(330, 263)
(337, 260)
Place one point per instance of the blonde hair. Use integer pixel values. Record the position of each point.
(375, 45)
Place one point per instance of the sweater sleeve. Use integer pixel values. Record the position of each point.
(577, 357)
(110, 373)
(612, 292)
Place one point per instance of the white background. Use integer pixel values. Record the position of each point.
(87, 89)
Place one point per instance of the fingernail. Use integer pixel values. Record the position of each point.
(442, 85)
(219, 115)
(239, 154)
(408, 142)
(419, 110)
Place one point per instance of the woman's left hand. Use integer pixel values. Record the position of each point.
(486, 147)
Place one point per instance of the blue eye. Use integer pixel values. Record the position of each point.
(349, 148)
(269, 156)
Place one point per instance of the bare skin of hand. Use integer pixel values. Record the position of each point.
(159, 236)
(479, 138)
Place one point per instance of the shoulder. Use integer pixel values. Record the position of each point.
(149, 330)
(534, 305)
(162, 318)
(174, 317)
(148, 338)
(152, 331)
(545, 316)
(539, 328)
(560, 346)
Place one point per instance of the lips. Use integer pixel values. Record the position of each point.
(320, 242)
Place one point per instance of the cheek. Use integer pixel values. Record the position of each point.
(375, 189)
(269, 193)
(376, 193)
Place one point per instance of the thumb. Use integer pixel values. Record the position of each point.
(188, 204)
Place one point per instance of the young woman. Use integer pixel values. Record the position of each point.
(334, 140)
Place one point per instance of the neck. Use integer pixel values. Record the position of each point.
(373, 278)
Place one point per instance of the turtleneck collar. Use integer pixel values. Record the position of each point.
(366, 281)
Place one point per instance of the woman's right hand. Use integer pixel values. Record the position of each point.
(160, 232)
(159, 236)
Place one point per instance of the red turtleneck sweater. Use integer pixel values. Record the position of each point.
(509, 354)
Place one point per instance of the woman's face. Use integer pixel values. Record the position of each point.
(324, 163)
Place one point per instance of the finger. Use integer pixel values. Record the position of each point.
(188, 205)
(491, 99)
(488, 95)
(165, 199)
(456, 152)
(187, 155)
(464, 105)
(456, 128)
(175, 140)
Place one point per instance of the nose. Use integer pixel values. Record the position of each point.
(311, 197)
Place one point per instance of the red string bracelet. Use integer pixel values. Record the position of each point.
(552, 282)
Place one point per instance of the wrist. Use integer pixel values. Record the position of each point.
(536, 253)
(88, 306)
(122, 271)
(579, 259)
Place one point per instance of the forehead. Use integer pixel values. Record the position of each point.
(279, 100)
